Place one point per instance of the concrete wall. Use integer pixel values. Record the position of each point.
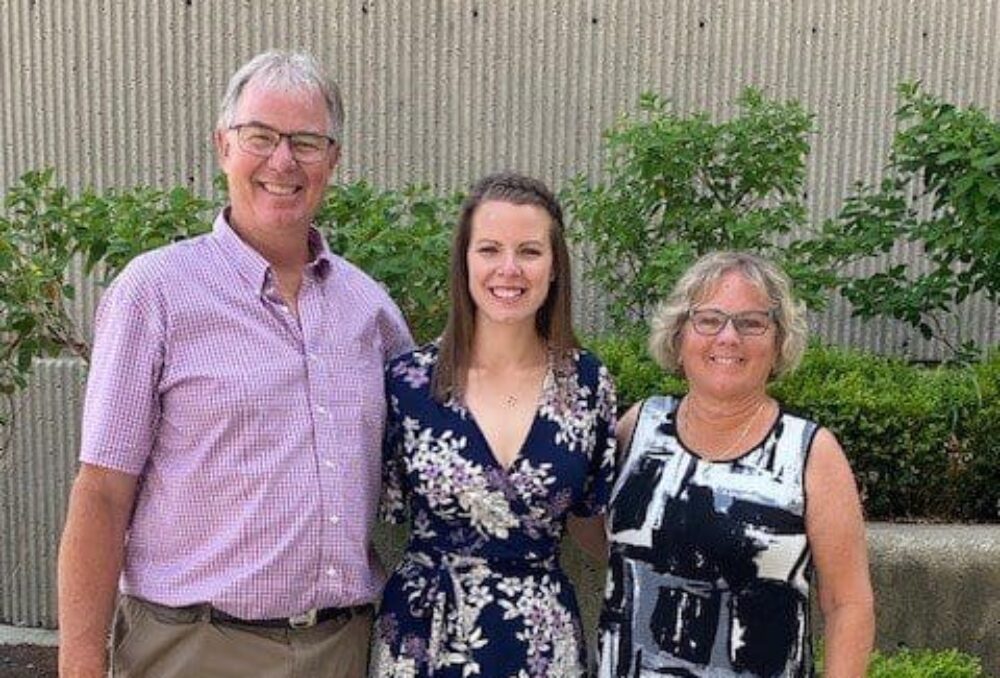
(938, 586)
(37, 466)
(442, 91)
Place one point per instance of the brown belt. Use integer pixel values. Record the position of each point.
(300, 621)
(308, 619)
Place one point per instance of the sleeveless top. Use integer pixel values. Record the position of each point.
(710, 568)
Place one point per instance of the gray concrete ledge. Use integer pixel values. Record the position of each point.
(18, 635)
(937, 586)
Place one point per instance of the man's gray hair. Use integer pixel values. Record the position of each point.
(284, 71)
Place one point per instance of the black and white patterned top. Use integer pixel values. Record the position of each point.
(710, 566)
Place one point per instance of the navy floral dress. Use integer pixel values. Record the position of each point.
(479, 591)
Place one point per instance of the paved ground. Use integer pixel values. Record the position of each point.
(27, 652)
(29, 661)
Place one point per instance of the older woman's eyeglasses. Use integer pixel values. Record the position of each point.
(711, 321)
(262, 141)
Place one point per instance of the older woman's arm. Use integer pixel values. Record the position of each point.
(836, 531)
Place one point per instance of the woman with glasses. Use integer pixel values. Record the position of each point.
(725, 502)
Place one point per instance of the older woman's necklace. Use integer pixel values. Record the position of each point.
(684, 423)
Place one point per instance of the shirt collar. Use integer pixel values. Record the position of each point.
(254, 268)
(321, 260)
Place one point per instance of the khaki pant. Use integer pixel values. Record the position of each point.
(153, 641)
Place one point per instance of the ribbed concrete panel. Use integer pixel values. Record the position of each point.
(442, 91)
(36, 468)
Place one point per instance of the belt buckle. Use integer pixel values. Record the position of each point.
(303, 621)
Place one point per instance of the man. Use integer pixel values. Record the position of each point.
(232, 426)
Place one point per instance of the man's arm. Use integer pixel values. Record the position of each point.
(90, 562)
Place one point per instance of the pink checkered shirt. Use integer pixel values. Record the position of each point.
(256, 437)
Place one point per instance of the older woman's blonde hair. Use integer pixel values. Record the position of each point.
(698, 283)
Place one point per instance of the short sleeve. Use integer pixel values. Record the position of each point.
(393, 507)
(122, 406)
(600, 475)
(396, 337)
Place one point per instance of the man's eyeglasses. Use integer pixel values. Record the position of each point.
(711, 321)
(262, 141)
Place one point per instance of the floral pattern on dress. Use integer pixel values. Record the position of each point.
(480, 591)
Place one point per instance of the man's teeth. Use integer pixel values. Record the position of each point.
(726, 360)
(280, 189)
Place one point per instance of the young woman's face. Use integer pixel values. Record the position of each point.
(510, 262)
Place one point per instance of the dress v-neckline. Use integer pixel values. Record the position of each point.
(522, 447)
(491, 453)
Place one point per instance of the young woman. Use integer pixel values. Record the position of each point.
(498, 433)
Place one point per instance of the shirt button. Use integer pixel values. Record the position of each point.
(332, 572)
(321, 409)
(334, 519)
(331, 463)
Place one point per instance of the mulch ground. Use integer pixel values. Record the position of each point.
(30, 661)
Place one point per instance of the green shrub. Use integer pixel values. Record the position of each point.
(36, 248)
(941, 193)
(400, 238)
(636, 375)
(110, 229)
(978, 456)
(907, 663)
(925, 664)
(900, 426)
(923, 442)
(678, 186)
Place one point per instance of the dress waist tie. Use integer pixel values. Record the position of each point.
(434, 588)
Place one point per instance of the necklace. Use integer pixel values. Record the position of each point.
(510, 400)
(686, 421)
(511, 390)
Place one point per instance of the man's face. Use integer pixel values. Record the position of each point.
(276, 194)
